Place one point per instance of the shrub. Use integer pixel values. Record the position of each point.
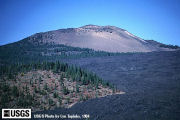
(55, 95)
(65, 90)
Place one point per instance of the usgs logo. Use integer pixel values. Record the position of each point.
(16, 113)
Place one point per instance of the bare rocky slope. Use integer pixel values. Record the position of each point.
(102, 38)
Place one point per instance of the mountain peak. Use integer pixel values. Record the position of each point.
(104, 38)
(90, 26)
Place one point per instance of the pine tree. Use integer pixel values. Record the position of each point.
(65, 90)
(15, 91)
(77, 88)
(46, 86)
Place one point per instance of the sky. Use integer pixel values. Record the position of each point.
(149, 19)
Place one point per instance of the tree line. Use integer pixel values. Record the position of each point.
(70, 71)
(26, 52)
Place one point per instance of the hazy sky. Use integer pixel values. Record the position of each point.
(148, 19)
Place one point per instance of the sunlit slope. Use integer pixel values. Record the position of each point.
(103, 38)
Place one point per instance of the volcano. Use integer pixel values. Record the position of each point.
(99, 38)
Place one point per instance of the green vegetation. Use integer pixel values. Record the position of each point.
(67, 82)
(8, 93)
(51, 102)
(31, 75)
(55, 95)
(27, 52)
(77, 88)
(17, 59)
(60, 100)
(65, 90)
(76, 73)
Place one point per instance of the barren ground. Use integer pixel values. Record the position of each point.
(151, 82)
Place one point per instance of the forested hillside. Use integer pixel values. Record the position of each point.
(27, 52)
(47, 85)
(31, 77)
